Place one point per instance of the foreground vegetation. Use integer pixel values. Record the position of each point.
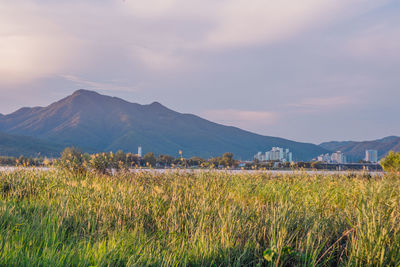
(55, 218)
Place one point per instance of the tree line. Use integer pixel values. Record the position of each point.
(74, 159)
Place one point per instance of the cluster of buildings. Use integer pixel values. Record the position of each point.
(337, 157)
(275, 154)
(278, 154)
(340, 158)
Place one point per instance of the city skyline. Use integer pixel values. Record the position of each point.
(318, 71)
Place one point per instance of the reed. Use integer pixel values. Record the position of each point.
(208, 218)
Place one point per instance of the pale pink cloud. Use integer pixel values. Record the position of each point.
(234, 23)
(32, 46)
(58, 37)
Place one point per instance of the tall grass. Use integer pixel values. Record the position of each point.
(51, 218)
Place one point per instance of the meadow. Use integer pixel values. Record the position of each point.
(56, 218)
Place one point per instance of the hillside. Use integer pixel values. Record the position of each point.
(13, 145)
(96, 122)
(356, 150)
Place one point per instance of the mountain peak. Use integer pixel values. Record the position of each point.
(87, 98)
(156, 104)
(158, 107)
(84, 92)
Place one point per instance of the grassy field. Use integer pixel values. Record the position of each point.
(51, 218)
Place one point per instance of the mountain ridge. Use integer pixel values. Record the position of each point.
(97, 123)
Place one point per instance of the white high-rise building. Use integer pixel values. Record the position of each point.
(275, 154)
(139, 151)
(290, 157)
(267, 155)
(338, 157)
(371, 156)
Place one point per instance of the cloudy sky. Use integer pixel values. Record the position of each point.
(309, 70)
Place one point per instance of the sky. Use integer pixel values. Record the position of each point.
(310, 70)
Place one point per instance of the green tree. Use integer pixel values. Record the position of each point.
(132, 159)
(149, 159)
(228, 160)
(215, 162)
(391, 163)
(165, 160)
(195, 161)
(120, 156)
(120, 160)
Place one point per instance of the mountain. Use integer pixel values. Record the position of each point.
(14, 145)
(97, 122)
(356, 150)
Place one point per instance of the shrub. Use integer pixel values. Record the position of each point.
(72, 160)
(101, 163)
(391, 163)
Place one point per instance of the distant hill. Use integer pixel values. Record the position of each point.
(96, 122)
(14, 145)
(356, 150)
